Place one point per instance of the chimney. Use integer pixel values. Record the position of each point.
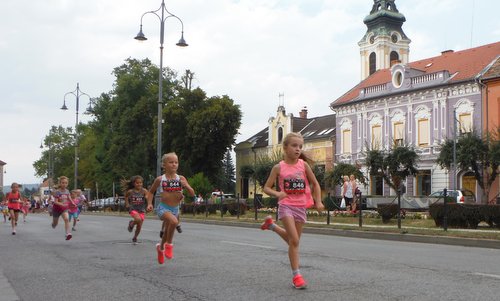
(303, 113)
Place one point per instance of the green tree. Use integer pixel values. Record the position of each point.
(393, 165)
(228, 181)
(120, 140)
(481, 155)
(334, 177)
(200, 129)
(59, 146)
(201, 184)
(264, 165)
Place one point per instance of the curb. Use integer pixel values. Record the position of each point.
(403, 237)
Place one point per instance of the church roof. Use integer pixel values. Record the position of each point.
(2, 163)
(462, 65)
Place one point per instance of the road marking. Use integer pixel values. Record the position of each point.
(488, 275)
(8, 293)
(247, 245)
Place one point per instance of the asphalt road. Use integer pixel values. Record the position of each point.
(213, 262)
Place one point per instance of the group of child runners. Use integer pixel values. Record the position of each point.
(298, 189)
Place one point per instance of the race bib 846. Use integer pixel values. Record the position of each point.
(294, 186)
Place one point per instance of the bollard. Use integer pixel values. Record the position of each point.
(399, 207)
(360, 207)
(221, 207)
(206, 208)
(238, 204)
(255, 205)
(445, 211)
(328, 210)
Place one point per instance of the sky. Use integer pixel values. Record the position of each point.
(250, 50)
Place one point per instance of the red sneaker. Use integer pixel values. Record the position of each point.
(299, 282)
(268, 221)
(161, 258)
(169, 251)
(68, 236)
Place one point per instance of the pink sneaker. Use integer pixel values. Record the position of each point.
(268, 221)
(169, 251)
(299, 282)
(161, 258)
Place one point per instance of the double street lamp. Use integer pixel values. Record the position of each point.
(163, 14)
(77, 93)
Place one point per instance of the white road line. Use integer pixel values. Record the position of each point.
(488, 275)
(8, 293)
(247, 245)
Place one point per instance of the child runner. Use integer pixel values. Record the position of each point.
(14, 200)
(82, 200)
(170, 187)
(25, 208)
(62, 199)
(5, 210)
(136, 197)
(296, 180)
(73, 208)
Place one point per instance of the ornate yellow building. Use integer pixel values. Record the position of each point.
(319, 144)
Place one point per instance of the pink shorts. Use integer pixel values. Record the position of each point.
(133, 213)
(298, 213)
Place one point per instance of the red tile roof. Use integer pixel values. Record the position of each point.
(466, 63)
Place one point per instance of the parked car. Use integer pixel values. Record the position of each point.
(96, 204)
(461, 196)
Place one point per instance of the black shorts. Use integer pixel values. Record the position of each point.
(348, 201)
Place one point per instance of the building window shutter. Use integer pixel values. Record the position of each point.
(423, 132)
(346, 141)
(376, 137)
(398, 134)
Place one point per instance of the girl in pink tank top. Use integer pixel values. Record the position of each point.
(299, 189)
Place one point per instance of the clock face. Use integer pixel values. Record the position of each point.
(372, 39)
(394, 38)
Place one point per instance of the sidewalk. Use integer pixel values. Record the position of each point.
(402, 236)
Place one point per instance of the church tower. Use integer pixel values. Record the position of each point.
(384, 42)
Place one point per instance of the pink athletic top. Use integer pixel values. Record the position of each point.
(293, 181)
(14, 200)
(71, 208)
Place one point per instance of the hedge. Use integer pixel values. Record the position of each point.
(466, 215)
(231, 207)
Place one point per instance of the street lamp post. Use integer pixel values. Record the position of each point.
(77, 93)
(163, 16)
(455, 150)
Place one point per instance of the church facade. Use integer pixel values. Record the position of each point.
(418, 103)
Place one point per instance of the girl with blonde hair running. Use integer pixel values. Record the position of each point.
(298, 190)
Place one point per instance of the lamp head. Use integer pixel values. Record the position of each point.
(64, 107)
(182, 42)
(140, 36)
(90, 109)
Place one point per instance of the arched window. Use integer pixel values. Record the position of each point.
(373, 62)
(280, 135)
(394, 57)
